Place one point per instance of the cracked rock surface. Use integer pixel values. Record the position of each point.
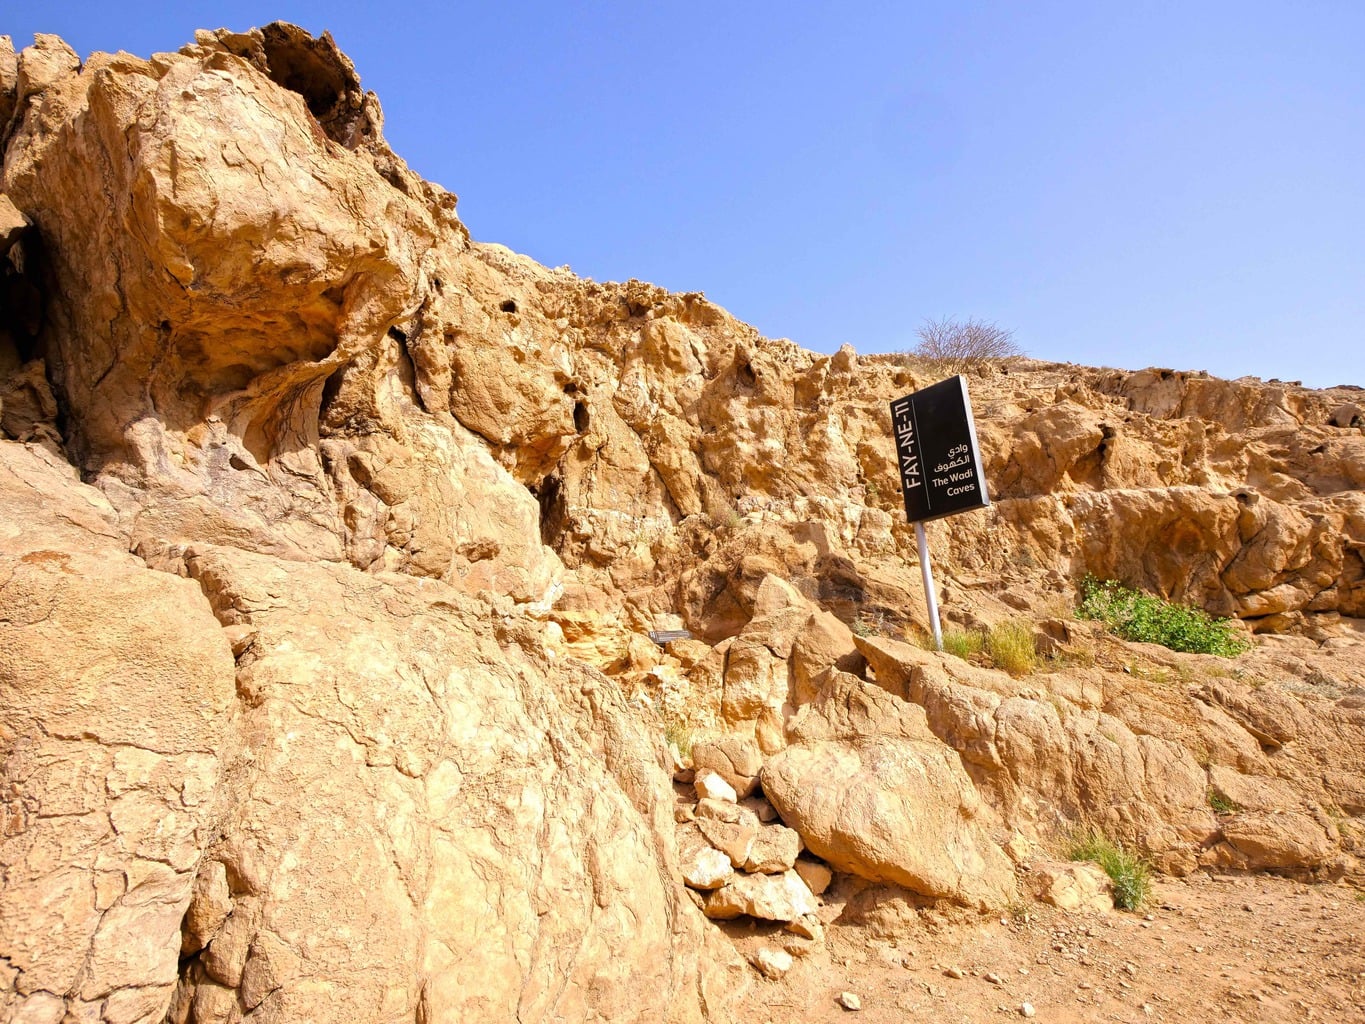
(336, 550)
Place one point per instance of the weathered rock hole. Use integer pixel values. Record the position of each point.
(1107, 434)
(508, 306)
(21, 300)
(549, 493)
(581, 417)
(330, 390)
(747, 377)
(318, 72)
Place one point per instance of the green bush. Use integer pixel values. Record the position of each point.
(1134, 615)
(1130, 874)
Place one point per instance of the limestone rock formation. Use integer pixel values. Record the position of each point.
(891, 810)
(336, 547)
(116, 691)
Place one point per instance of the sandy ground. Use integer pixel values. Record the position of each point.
(1204, 949)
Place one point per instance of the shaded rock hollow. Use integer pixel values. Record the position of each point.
(332, 539)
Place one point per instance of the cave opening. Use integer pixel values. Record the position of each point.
(554, 514)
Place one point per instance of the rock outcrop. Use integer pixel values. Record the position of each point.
(116, 691)
(332, 541)
(892, 810)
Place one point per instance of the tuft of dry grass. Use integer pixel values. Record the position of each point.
(1010, 646)
(964, 643)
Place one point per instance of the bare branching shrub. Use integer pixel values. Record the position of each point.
(957, 346)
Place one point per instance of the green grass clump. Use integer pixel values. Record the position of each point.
(1010, 646)
(1134, 615)
(870, 623)
(1130, 874)
(1221, 803)
(964, 643)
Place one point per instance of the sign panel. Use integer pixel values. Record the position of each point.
(940, 464)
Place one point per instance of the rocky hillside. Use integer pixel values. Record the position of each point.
(331, 541)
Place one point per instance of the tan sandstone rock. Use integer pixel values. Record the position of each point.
(360, 747)
(1073, 887)
(816, 875)
(710, 786)
(736, 759)
(774, 851)
(772, 963)
(781, 897)
(706, 868)
(892, 810)
(116, 730)
(734, 839)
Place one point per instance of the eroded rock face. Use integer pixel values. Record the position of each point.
(232, 359)
(348, 736)
(377, 738)
(1049, 758)
(116, 688)
(289, 338)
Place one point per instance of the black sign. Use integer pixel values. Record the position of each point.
(939, 462)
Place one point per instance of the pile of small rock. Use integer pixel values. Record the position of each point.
(736, 857)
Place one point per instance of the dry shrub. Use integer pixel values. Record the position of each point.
(958, 346)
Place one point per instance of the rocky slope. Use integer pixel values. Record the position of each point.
(331, 542)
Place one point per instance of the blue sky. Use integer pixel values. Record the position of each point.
(1169, 184)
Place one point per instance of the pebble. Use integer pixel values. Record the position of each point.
(1027, 1010)
(994, 978)
(954, 972)
(772, 963)
(849, 1001)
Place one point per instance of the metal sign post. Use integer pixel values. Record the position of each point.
(930, 594)
(940, 466)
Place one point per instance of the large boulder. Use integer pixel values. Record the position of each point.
(895, 810)
(736, 759)
(1047, 757)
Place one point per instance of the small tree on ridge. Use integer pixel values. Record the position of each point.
(956, 346)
